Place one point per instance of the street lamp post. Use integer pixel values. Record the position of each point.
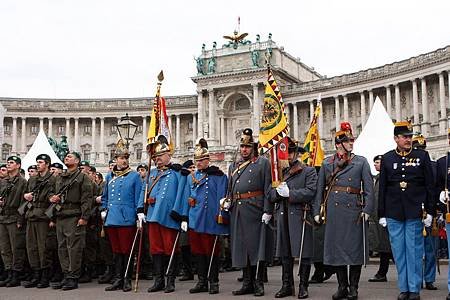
(127, 129)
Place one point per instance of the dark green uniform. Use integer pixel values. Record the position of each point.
(75, 204)
(38, 225)
(12, 228)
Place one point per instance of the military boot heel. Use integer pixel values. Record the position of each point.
(45, 279)
(158, 276)
(118, 279)
(15, 281)
(342, 276)
(355, 273)
(7, 279)
(202, 271)
(303, 286)
(213, 276)
(34, 280)
(286, 278)
(247, 283)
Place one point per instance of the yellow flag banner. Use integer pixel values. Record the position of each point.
(314, 155)
(274, 125)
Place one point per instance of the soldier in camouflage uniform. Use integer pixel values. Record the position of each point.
(12, 227)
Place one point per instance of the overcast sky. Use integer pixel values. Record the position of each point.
(108, 48)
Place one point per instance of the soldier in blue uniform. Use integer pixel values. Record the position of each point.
(200, 211)
(165, 184)
(431, 238)
(442, 181)
(405, 206)
(120, 206)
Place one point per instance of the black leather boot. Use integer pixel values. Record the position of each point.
(15, 281)
(34, 279)
(170, 284)
(247, 283)
(70, 284)
(86, 276)
(45, 279)
(187, 263)
(202, 272)
(303, 286)
(342, 277)
(107, 276)
(213, 275)
(127, 277)
(355, 273)
(317, 277)
(7, 279)
(119, 261)
(286, 278)
(158, 275)
(258, 280)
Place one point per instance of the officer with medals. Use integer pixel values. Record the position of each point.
(248, 201)
(431, 236)
(293, 212)
(405, 206)
(165, 184)
(344, 201)
(442, 182)
(120, 202)
(200, 210)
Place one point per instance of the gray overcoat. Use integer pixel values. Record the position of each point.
(343, 244)
(247, 232)
(378, 235)
(302, 189)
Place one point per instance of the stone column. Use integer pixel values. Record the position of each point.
(76, 136)
(102, 140)
(311, 110)
(194, 129)
(93, 138)
(295, 120)
(200, 112)
(426, 117)
(346, 108)
(14, 135)
(320, 122)
(363, 108)
(337, 112)
(24, 131)
(442, 106)
(41, 124)
(256, 109)
(178, 132)
(416, 123)
(222, 131)
(144, 138)
(169, 123)
(287, 111)
(211, 117)
(398, 109)
(67, 129)
(50, 127)
(388, 100)
(370, 100)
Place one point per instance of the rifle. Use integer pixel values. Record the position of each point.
(29, 204)
(6, 192)
(57, 206)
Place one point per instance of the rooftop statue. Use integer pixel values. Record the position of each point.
(236, 39)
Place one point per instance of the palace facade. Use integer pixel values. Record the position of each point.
(230, 89)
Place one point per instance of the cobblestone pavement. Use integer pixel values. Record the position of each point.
(228, 283)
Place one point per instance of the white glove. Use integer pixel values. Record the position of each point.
(443, 196)
(365, 216)
(441, 218)
(382, 222)
(184, 226)
(266, 218)
(317, 219)
(140, 220)
(428, 220)
(225, 204)
(103, 215)
(283, 190)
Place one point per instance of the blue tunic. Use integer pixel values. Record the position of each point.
(200, 201)
(170, 183)
(121, 197)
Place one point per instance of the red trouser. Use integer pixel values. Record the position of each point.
(203, 243)
(161, 239)
(121, 238)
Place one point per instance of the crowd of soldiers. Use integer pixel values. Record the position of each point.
(61, 228)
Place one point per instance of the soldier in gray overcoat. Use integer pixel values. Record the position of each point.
(344, 201)
(293, 199)
(248, 201)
